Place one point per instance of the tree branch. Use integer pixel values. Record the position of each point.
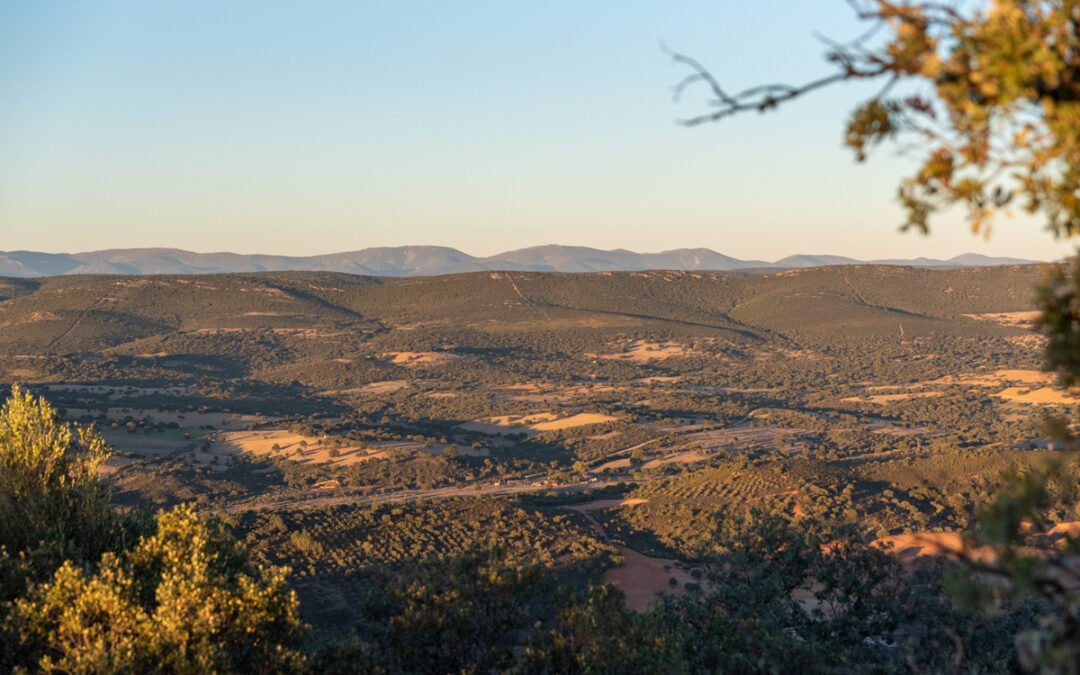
(760, 98)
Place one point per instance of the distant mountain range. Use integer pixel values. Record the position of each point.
(432, 260)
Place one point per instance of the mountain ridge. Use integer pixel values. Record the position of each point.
(397, 261)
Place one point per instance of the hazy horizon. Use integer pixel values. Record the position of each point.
(484, 127)
(254, 252)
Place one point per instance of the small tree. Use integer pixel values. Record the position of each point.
(52, 501)
(184, 599)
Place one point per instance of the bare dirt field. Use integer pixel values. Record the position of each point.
(312, 450)
(371, 389)
(642, 579)
(1011, 319)
(999, 377)
(882, 399)
(1017, 385)
(1045, 396)
(282, 443)
(688, 457)
(579, 420)
(508, 423)
(644, 351)
(534, 423)
(412, 359)
(612, 465)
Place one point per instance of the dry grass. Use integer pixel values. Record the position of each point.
(1043, 396)
(281, 443)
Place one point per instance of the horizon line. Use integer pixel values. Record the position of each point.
(516, 250)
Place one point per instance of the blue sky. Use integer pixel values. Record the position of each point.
(310, 127)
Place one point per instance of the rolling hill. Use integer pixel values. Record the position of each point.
(78, 314)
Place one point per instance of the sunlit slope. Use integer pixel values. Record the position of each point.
(88, 313)
(873, 300)
(92, 313)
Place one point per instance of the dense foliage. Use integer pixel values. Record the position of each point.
(82, 597)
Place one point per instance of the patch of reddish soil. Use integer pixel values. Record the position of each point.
(642, 579)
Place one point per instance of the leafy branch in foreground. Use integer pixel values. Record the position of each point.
(999, 123)
(185, 599)
(1016, 554)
